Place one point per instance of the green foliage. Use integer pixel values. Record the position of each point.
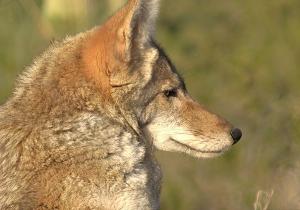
(241, 59)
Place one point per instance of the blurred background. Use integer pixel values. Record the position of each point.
(239, 58)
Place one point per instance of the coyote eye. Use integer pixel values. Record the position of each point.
(170, 93)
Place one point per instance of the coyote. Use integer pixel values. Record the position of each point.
(80, 130)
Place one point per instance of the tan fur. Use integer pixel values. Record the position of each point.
(105, 50)
(196, 115)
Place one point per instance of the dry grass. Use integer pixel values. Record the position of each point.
(263, 200)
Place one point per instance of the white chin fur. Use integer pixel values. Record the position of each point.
(172, 146)
(178, 139)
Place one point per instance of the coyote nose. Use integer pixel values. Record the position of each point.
(236, 135)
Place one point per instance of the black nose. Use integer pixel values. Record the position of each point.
(236, 135)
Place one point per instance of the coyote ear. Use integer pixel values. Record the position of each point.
(134, 25)
(142, 23)
(110, 47)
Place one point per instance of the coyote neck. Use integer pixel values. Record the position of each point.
(65, 152)
(81, 138)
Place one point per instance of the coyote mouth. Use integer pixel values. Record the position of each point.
(197, 150)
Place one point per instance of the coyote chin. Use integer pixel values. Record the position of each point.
(79, 131)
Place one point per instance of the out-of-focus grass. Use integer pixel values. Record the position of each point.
(240, 59)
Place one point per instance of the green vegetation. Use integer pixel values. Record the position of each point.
(239, 58)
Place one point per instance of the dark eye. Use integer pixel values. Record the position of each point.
(171, 93)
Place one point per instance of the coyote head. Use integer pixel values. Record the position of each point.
(133, 72)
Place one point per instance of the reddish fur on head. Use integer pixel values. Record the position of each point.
(107, 48)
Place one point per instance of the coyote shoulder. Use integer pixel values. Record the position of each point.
(80, 129)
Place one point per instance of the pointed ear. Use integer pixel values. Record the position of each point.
(132, 26)
(135, 25)
(140, 25)
(109, 47)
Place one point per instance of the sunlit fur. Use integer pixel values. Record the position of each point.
(180, 124)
